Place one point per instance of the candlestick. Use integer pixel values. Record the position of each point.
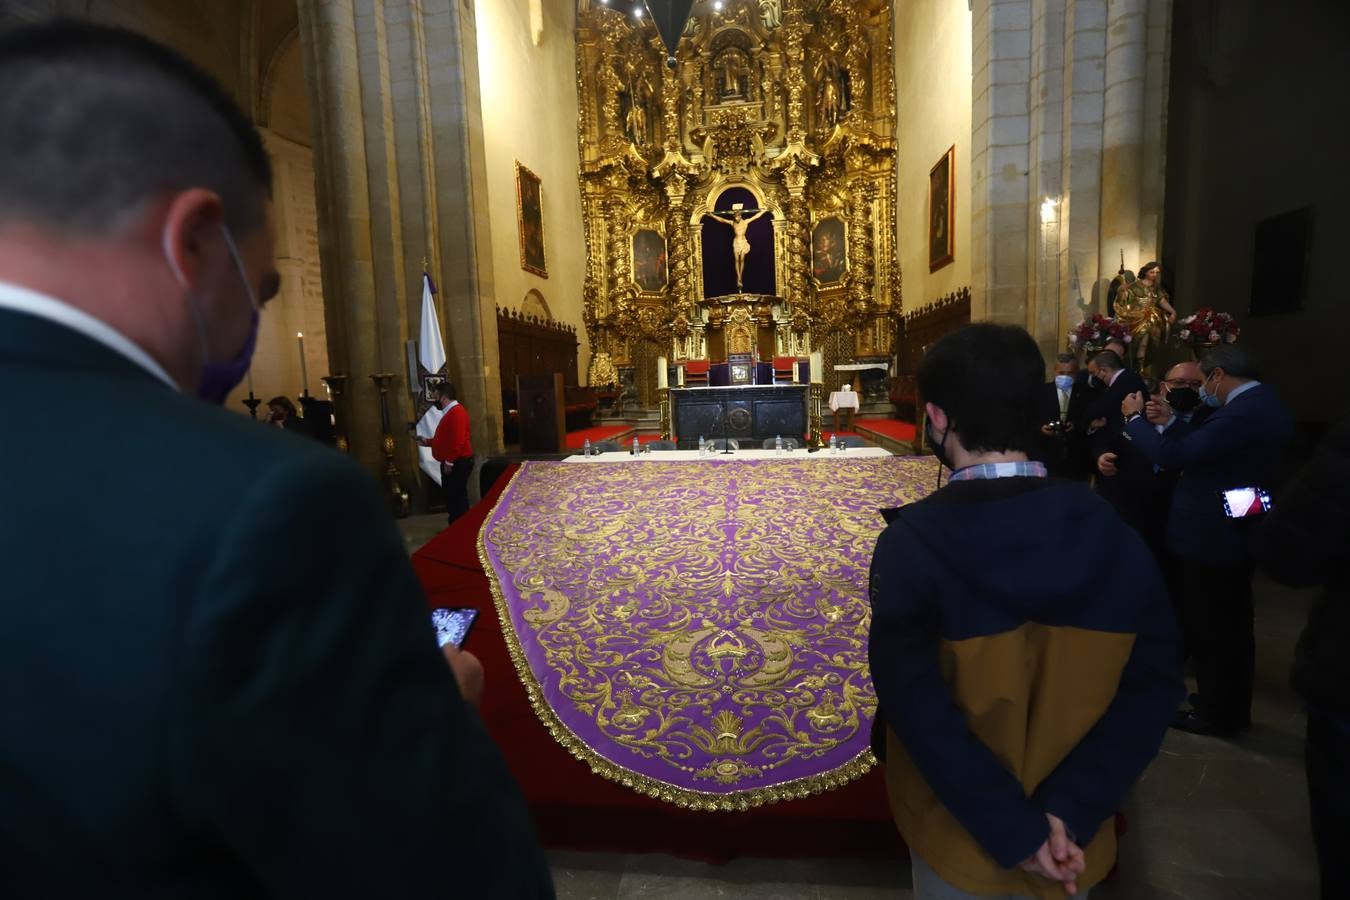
(662, 376)
(304, 369)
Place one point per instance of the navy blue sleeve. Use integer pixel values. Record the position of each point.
(915, 701)
(1220, 437)
(1089, 784)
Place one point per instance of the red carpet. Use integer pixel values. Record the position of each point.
(577, 439)
(575, 809)
(891, 428)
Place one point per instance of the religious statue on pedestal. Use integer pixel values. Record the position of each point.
(1142, 307)
(740, 244)
(830, 91)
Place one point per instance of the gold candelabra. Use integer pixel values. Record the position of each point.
(663, 395)
(397, 494)
(336, 385)
(816, 440)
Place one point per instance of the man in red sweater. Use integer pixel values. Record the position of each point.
(452, 449)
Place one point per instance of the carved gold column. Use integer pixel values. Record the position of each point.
(861, 275)
(816, 440)
(398, 496)
(663, 398)
(795, 29)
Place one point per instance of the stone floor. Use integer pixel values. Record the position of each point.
(1210, 820)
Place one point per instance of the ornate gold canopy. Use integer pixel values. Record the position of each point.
(792, 101)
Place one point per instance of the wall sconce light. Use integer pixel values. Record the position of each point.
(1048, 209)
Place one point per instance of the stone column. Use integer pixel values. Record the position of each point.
(1123, 136)
(1000, 160)
(1069, 113)
(397, 122)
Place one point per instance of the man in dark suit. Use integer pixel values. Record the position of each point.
(1140, 490)
(216, 669)
(1063, 445)
(1105, 433)
(1238, 446)
(1118, 383)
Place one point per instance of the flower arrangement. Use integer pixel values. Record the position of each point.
(1093, 333)
(1207, 326)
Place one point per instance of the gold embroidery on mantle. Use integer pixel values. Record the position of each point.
(765, 664)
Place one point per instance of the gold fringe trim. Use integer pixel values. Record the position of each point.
(684, 798)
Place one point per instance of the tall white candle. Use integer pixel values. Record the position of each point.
(304, 369)
(795, 375)
(817, 368)
(250, 381)
(662, 376)
(679, 376)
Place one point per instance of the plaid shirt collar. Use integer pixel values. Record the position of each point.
(1025, 469)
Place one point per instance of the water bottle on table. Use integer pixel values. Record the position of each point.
(586, 449)
(778, 444)
(702, 447)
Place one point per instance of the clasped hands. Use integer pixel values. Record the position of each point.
(1059, 858)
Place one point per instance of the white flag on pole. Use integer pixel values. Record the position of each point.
(431, 348)
(426, 427)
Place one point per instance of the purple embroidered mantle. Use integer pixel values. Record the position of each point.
(698, 630)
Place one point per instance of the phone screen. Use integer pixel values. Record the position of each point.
(1239, 503)
(452, 625)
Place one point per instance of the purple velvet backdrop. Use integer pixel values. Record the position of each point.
(719, 263)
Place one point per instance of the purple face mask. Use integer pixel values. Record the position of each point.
(219, 378)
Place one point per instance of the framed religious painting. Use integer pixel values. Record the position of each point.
(829, 251)
(650, 273)
(530, 215)
(942, 211)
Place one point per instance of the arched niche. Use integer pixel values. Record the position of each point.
(535, 305)
(715, 242)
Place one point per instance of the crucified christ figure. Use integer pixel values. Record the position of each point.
(740, 245)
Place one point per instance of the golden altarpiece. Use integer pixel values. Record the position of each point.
(788, 107)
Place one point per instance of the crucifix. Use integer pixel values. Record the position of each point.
(740, 244)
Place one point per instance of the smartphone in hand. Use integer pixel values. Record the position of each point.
(452, 625)
(1239, 503)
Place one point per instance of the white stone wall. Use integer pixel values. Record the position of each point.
(933, 100)
(527, 76)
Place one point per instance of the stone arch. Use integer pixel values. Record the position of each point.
(535, 305)
(285, 101)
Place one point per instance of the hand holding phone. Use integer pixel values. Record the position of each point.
(452, 624)
(1240, 503)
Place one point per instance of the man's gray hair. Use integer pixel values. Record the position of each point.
(1232, 359)
(1109, 359)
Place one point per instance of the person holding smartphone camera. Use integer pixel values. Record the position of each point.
(217, 672)
(1238, 445)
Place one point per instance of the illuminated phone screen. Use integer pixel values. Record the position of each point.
(1239, 503)
(452, 625)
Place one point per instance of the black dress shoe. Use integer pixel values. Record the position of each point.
(1198, 723)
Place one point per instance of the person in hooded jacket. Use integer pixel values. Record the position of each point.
(1025, 680)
